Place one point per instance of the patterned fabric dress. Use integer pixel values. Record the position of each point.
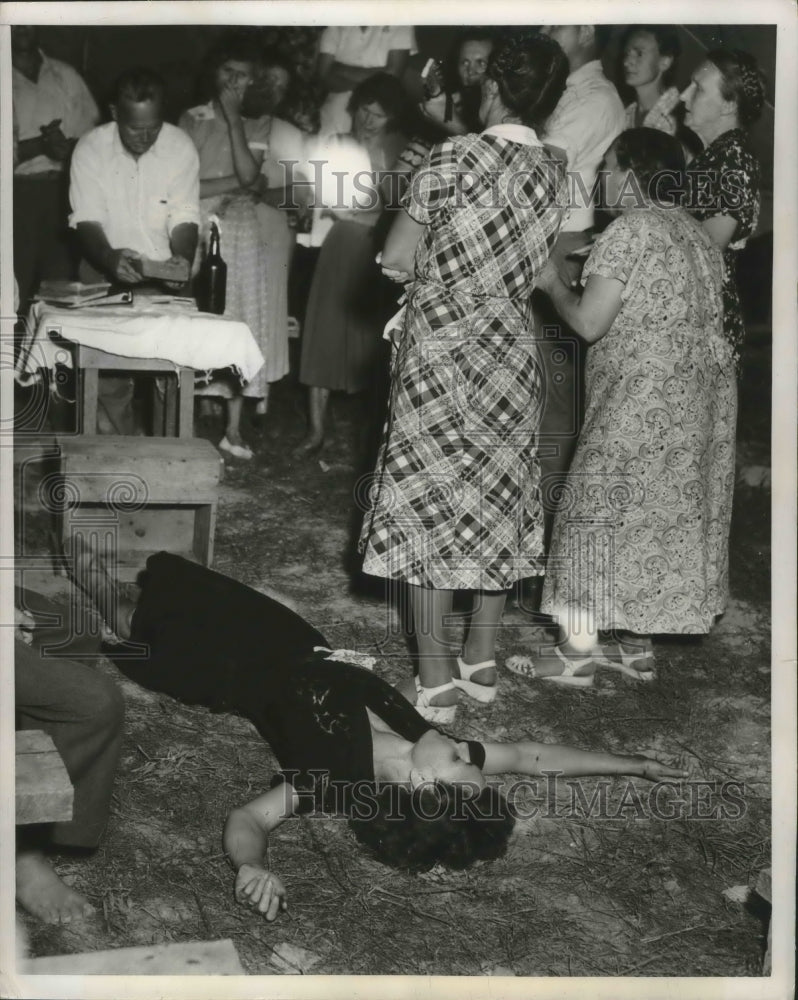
(733, 189)
(243, 245)
(455, 499)
(641, 535)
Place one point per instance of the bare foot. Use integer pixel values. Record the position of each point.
(42, 893)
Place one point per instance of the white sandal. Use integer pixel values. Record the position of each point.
(440, 714)
(623, 660)
(524, 667)
(479, 692)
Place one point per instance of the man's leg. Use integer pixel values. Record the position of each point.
(82, 711)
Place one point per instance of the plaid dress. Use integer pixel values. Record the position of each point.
(454, 502)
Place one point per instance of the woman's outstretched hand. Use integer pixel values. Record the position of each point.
(261, 890)
(655, 770)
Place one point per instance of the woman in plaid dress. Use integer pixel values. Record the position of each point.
(454, 503)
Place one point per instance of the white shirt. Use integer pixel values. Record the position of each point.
(366, 47)
(587, 119)
(59, 92)
(138, 202)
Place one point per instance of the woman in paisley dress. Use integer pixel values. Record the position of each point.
(725, 97)
(640, 540)
(454, 503)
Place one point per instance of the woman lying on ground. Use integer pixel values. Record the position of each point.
(347, 742)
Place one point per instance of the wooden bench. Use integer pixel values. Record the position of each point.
(43, 791)
(140, 495)
(193, 958)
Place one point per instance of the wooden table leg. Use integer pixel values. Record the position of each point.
(171, 390)
(89, 381)
(185, 425)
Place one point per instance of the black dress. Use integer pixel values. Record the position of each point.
(212, 641)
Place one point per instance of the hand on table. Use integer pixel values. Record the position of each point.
(260, 890)
(120, 266)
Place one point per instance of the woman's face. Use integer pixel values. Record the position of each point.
(276, 81)
(473, 61)
(704, 99)
(370, 121)
(438, 758)
(234, 73)
(642, 63)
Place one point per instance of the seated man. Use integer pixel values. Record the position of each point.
(134, 191)
(52, 109)
(82, 711)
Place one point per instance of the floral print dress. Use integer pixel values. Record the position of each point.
(641, 535)
(726, 181)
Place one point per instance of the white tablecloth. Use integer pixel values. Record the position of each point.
(166, 332)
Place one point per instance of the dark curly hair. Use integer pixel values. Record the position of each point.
(655, 158)
(668, 44)
(435, 823)
(742, 82)
(530, 72)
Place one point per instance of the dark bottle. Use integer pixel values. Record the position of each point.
(212, 277)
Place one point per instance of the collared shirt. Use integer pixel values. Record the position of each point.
(522, 134)
(138, 202)
(585, 122)
(366, 47)
(59, 92)
(660, 116)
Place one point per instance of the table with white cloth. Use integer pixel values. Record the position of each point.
(150, 335)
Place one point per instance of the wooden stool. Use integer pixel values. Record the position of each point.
(43, 791)
(139, 496)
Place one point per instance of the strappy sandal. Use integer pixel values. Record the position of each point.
(479, 692)
(439, 714)
(524, 667)
(634, 658)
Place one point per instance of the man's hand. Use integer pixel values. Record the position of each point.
(177, 260)
(548, 276)
(119, 264)
(55, 143)
(261, 890)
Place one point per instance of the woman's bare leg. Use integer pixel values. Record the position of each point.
(436, 662)
(480, 644)
(318, 400)
(232, 432)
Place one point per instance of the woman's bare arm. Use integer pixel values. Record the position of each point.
(590, 314)
(721, 229)
(400, 247)
(537, 759)
(245, 839)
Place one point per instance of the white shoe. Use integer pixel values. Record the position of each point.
(479, 692)
(442, 715)
(236, 450)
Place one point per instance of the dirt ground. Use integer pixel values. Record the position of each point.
(576, 894)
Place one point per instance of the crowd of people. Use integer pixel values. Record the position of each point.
(494, 466)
